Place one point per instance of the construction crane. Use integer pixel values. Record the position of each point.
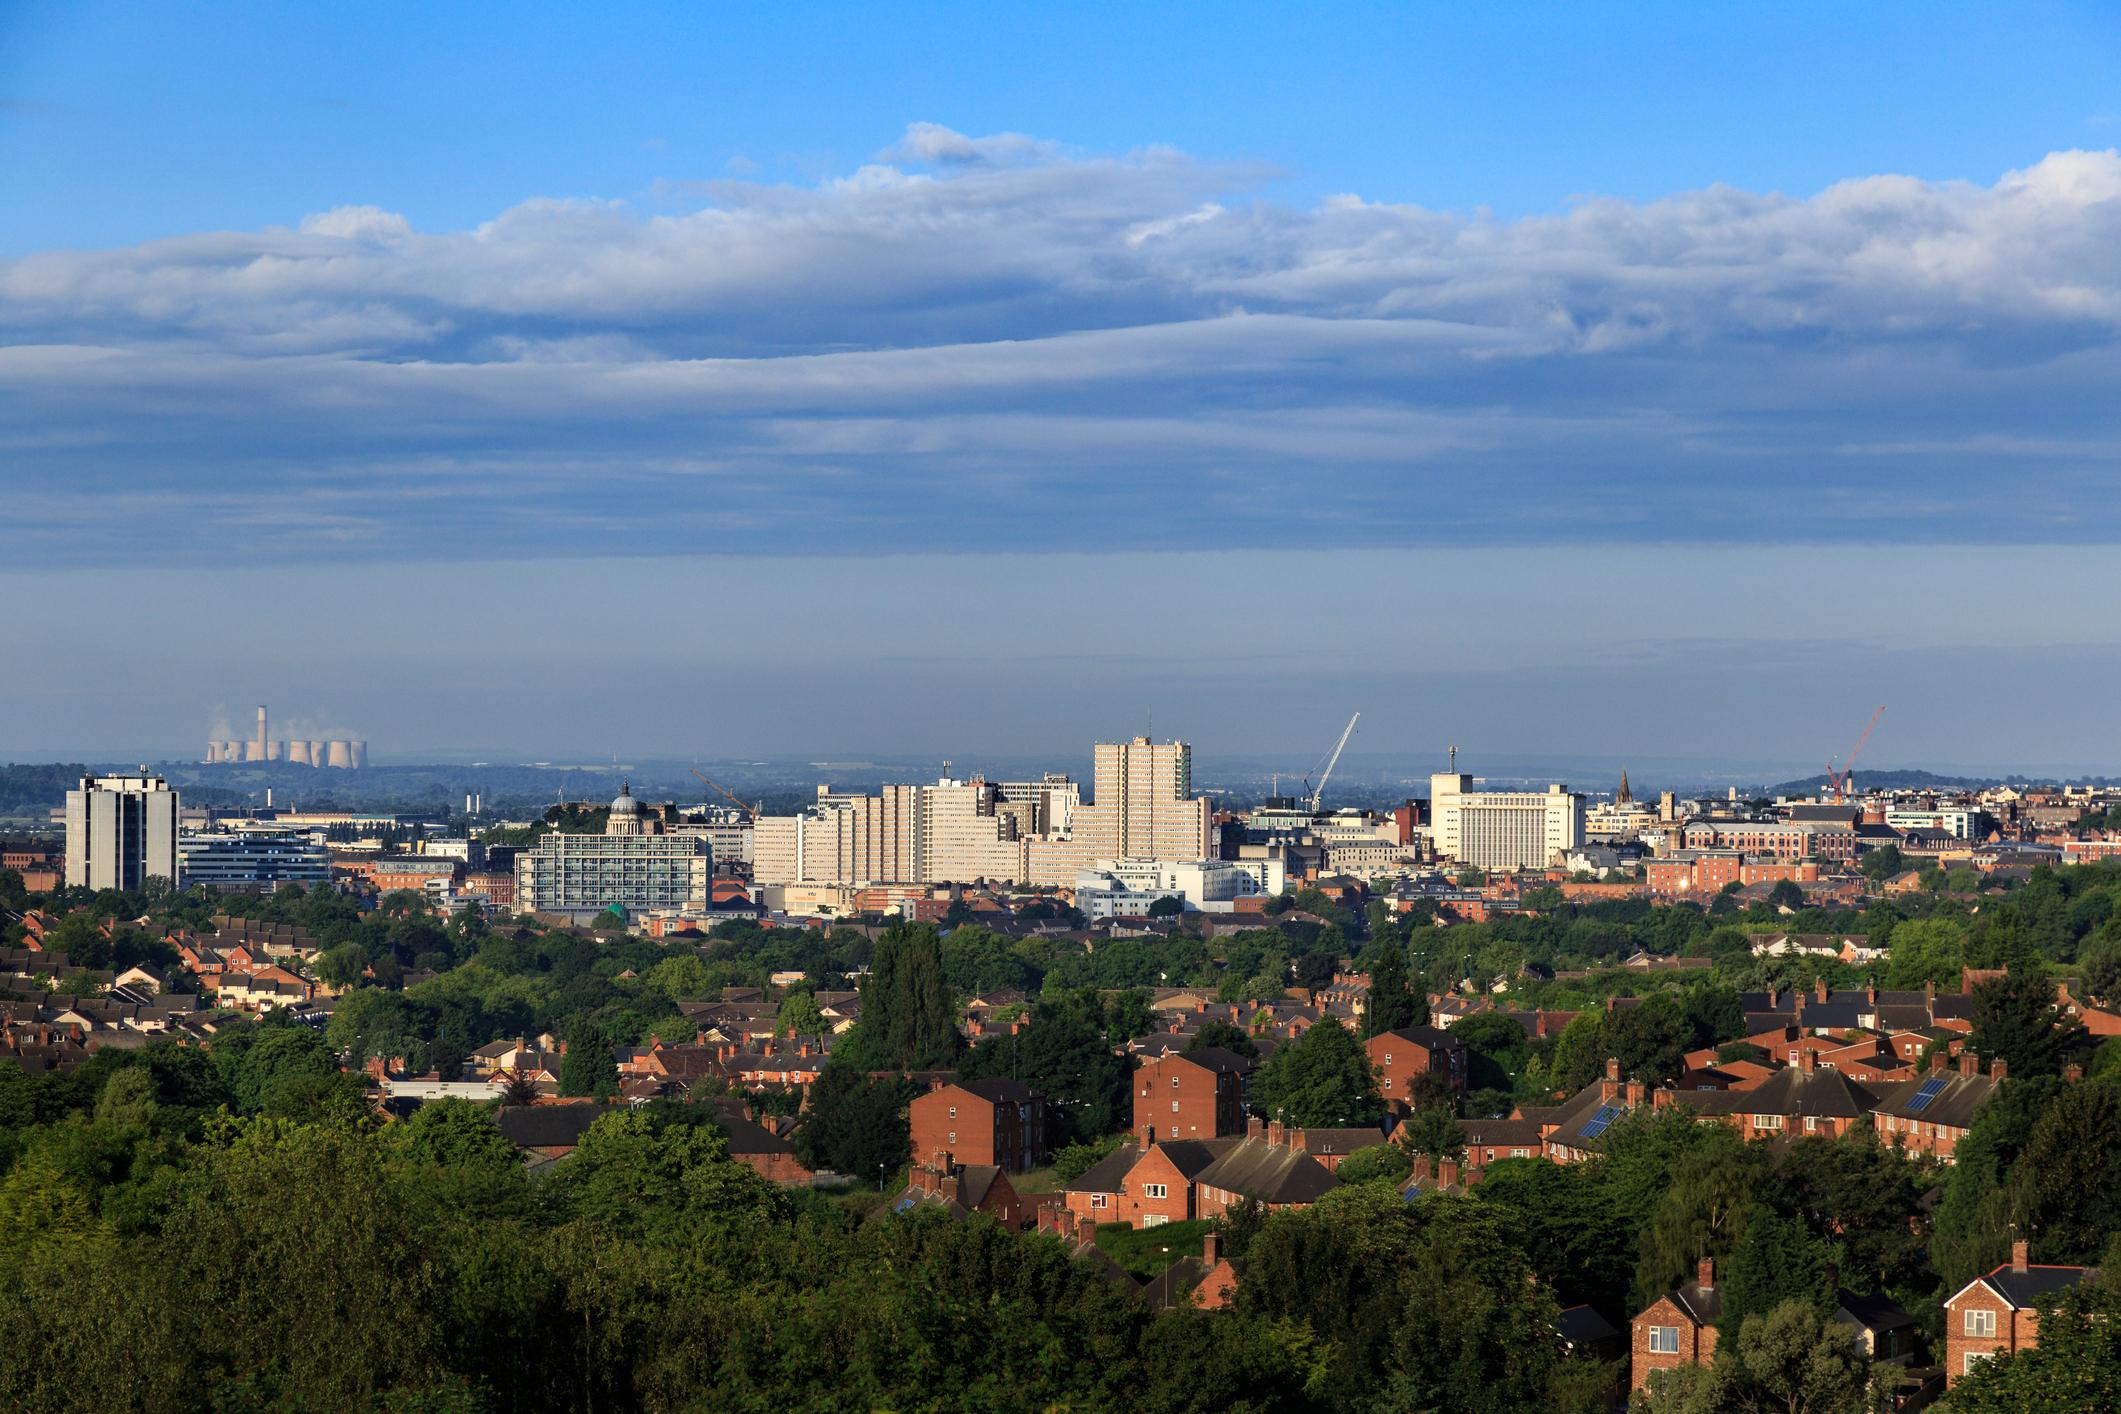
(1334, 760)
(1839, 780)
(751, 811)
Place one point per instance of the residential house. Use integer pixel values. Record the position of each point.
(1399, 1058)
(1997, 1314)
(1931, 1113)
(1678, 1328)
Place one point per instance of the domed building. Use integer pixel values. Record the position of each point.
(625, 816)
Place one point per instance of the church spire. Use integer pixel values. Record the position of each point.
(1626, 796)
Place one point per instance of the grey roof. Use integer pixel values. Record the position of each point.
(2023, 1289)
(548, 1126)
(1341, 1141)
(1172, 1286)
(1497, 1132)
(1219, 1058)
(1256, 1169)
(1000, 1089)
(1953, 1106)
(1902, 1016)
(1877, 1314)
(1703, 1303)
(1834, 1015)
(1191, 1156)
(1580, 1325)
(1792, 1091)
(1106, 1175)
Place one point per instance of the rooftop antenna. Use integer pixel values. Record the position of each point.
(1454, 760)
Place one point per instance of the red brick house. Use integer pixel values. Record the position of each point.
(964, 1189)
(1180, 1179)
(1399, 1057)
(991, 1121)
(1994, 1315)
(1932, 1113)
(1190, 1096)
(1798, 1100)
(1678, 1328)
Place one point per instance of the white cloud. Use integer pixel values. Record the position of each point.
(998, 326)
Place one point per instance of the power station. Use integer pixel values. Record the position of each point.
(342, 754)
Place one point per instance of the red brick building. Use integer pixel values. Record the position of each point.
(1932, 1113)
(1399, 1057)
(1678, 1328)
(992, 1121)
(1190, 1096)
(1994, 1315)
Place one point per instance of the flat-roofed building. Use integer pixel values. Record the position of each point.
(252, 859)
(1503, 830)
(121, 831)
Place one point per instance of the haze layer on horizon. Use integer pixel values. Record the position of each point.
(917, 387)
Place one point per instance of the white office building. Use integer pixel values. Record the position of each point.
(252, 859)
(121, 831)
(1503, 830)
(1112, 888)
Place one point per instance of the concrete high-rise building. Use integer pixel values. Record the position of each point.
(632, 866)
(1503, 830)
(121, 831)
(1009, 832)
(252, 859)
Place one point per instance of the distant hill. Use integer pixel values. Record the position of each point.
(1921, 780)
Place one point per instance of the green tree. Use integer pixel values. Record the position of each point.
(341, 966)
(1434, 1132)
(1071, 1066)
(1386, 1161)
(1496, 1050)
(856, 1125)
(1226, 1034)
(1796, 1360)
(590, 1065)
(2015, 1018)
(1392, 1003)
(1772, 1262)
(1321, 1079)
(1927, 951)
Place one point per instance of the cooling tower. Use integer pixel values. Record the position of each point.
(213, 752)
(272, 751)
(253, 750)
(298, 753)
(360, 754)
(231, 750)
(316, 753)
(339, 754)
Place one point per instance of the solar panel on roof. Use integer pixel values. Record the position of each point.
(904, 1203)
(1931, 1089)
(1410, 1195)
(1605, 1116)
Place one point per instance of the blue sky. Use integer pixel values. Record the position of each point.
(494, 296)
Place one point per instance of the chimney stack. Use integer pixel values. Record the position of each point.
(1969, 1063)
(1999, 1069)
(1937, 1061)
(1705, 1274)
(1211, 1249)
(2073, 1072)
(2021, 1254)
(1808, 1060)
(1447, 1173)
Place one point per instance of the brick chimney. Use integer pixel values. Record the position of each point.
(1774, 999)
(1969, 1063)
(1254, 1127)
(1275, 1133)
(1636, 1093)
(1808, 1060)
(1937, 1059)
(1999, 1069)
(1211, 1249)
(2021, 1254)
(1609, 1088)
(1421, 1172)
(1819, 989)
(2073, 1072)
(1870, 992)
(1705, 1274)
(1929, 992)
(1148, 1135)
(1446, 1173)
(946, 1187)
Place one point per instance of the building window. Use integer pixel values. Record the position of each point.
(1811, 1124)
(953, 1136)
(953, 1112)
(1174, 1107)
(1174, 1082)
(1973, 1358)
(1155, 1190)
(1981, 1323)
(1154, 1219)
(1388, 1082)
(1097, 1200)
(1664, 1340)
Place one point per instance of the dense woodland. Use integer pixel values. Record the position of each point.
(237, 1228)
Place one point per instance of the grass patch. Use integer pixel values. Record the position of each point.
(1043, 1180)
(1146, 1252)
